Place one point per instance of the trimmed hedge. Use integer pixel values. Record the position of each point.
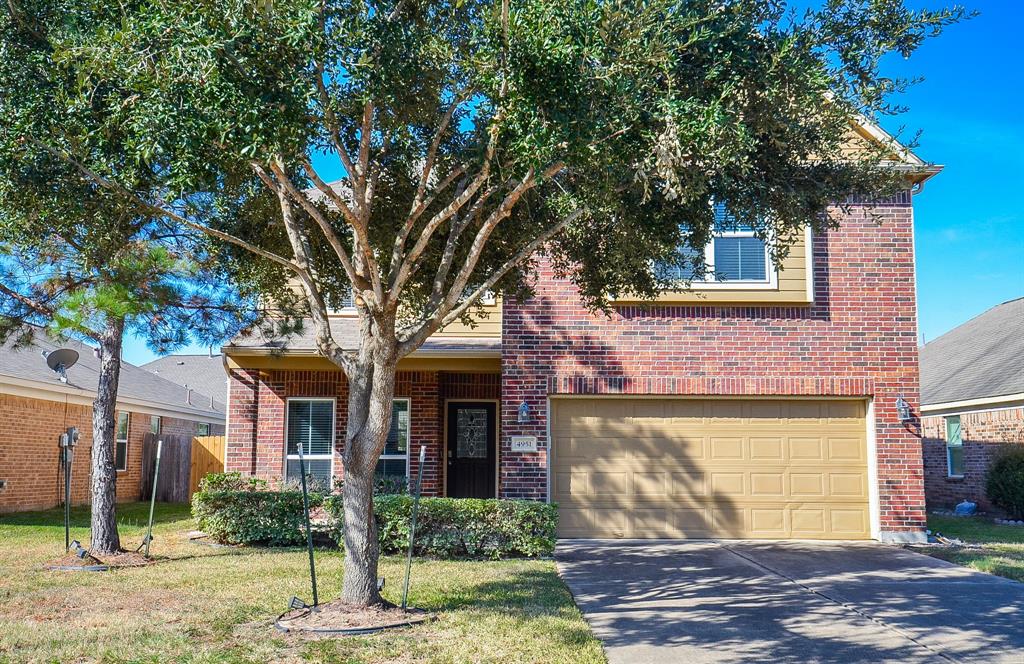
(234, 509)
(1005, 485)
(243, 510)
(462, 527)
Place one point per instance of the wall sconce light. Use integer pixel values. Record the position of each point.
(903, 409)
(524, 413)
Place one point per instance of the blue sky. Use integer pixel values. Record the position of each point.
(969, 218)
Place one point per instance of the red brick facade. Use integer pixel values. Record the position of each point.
(984, 435)
(30, 458)
(256, 415)
(858, 338)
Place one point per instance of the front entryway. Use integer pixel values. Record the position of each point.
(472, 449)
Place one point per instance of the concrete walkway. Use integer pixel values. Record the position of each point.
(704, 601)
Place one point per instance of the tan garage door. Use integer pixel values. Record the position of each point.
(649, 468)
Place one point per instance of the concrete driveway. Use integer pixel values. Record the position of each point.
(707, 601)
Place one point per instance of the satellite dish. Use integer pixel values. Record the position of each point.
(61, 360)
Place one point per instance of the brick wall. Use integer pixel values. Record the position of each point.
(257, 402)
(857, 339)
(984, 436)
(30, 457)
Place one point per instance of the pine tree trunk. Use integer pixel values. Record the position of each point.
(371, 391)
(105, 538)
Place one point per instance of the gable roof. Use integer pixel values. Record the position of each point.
(982, 358)
(138, 389)
(204, 373)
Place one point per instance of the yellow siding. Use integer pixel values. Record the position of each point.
(487, 324)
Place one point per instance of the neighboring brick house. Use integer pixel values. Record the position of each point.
(972, 403)
(36, 407)
(763, 405)
(203, 373)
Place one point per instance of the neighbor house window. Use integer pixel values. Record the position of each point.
(310, 425)
(202, 429)
(154, 424)
(394, 462)
(954, 447)
(121, 442)
(735, 255)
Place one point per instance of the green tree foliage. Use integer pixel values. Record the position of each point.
(474, 138)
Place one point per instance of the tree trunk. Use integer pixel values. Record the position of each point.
(105, 538)
(371, 390)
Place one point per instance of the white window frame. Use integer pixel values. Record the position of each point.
(408, 443)
(159, 421)
(127, 436)
(311, 457)
(711, 282)
(199, 425)
(949, 446)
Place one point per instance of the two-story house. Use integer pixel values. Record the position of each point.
(772, 401)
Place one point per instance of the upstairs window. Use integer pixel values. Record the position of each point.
(310, 425)
(954, 447)
(735, 255)
(121, 442)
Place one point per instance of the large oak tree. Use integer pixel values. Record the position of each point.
(474, 138)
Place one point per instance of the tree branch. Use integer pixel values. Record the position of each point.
(157, 210)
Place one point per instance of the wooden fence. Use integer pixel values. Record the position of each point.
(184, 462)
(207, 457)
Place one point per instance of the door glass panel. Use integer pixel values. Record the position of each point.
(471, 433)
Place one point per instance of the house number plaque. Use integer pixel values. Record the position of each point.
(524, 443)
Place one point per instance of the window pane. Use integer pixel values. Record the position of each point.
(311, 424)
(956, 459)
(203, 429)
(683, 271)
(121, 455)
(740, 259)
(154, 424)
(726, 221)
(398, 436)
(471, 433)
(954, 435)
(318, 473)
(394, 468)
(122, 426)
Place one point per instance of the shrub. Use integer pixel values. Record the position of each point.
(462, 527)
(1005, 486)
(242, 510)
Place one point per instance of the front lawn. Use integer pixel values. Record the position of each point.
(205, 604)
(990, 547)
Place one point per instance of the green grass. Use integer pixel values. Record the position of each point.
(204, 604)
(990, 547)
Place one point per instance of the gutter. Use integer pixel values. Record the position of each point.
(982, 403)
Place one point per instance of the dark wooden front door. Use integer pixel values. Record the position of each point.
(471, 449)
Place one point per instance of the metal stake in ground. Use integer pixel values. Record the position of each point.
(67, 444)
(412, 524)
(309, 530)
(152, 499)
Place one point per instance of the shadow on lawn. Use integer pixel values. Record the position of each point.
(129, 515)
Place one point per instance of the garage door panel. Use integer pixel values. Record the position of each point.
(712, 468)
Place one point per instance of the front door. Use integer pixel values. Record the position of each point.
(471, 449)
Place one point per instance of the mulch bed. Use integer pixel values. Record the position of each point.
(69, 561)
(340, 618)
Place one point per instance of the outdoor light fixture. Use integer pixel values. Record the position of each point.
(77, 549)
(524, 412)
(903, 409)
(296, 604)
